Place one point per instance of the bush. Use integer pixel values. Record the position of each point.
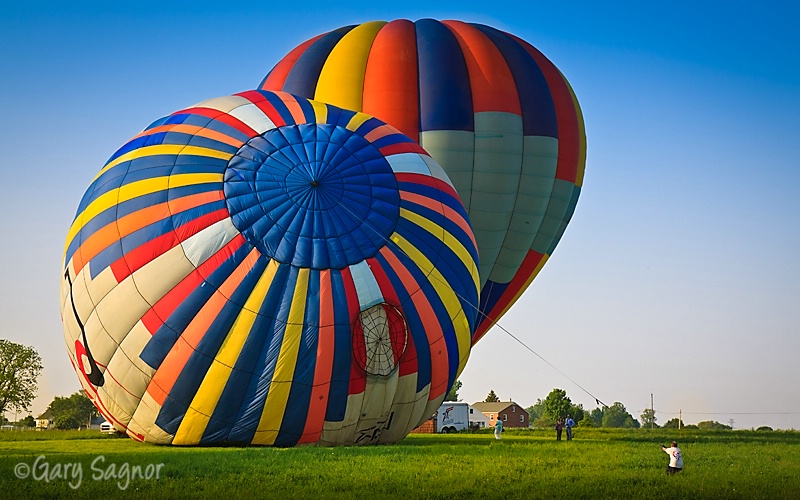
(66, 422)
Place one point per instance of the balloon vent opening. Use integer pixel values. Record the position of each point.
(380, 337)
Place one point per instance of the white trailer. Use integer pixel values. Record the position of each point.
(452, 416)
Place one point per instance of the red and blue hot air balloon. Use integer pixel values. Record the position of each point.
(266, 269)
(495, 113)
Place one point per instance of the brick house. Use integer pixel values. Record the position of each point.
(512, 414)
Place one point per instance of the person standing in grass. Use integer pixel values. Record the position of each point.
(675, 458)
(559, 428)
(498, 427)
(569, 424)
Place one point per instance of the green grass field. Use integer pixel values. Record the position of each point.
(599, 463)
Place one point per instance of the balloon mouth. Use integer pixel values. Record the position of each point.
(312, 195)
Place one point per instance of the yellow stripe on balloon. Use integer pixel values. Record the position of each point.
(134, 190)
(164, 149)
(320, 111)
(341, 81)
(448, 239)
(356, 121)
(446, 294)
(581, 136)
(199, 413)
(281, 384)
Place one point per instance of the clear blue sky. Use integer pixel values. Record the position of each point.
(678, 276)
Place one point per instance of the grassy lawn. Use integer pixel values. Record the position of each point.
(599, 463)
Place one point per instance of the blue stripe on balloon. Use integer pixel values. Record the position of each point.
(369, 125)
(490, 295)
(246, 389)
(416, 328)
(294, 418)
(308, 110)
(279, 106)
(302, 78)
(196, 367)
(215, 125)
(536, 100)
(167, 334)
(446, 262)
(445, 98)
(265, 351)
(450, 267)
(342, 351)
(448, 225)
(429, 291)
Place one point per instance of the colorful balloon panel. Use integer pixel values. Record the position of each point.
(489, 108)
(265, 269)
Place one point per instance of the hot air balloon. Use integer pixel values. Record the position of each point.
(496, 114)
(265, 269)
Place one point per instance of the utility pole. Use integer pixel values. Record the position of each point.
(652, 412)
(680, 418)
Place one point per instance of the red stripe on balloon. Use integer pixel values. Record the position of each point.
(265, 106)
(402, 147)
(163, 309)
(140, 256)
(391, 88)
(433, 329)
(427, 180)
(323, 368)
(566, 114)
(408, 361)
(278, 75)
(358, 378)
(525, 274)
(490, 79)
(220, 116)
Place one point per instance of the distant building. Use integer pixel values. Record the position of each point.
(477, 419)
(44, 421)
(96, 423)
(512, 414)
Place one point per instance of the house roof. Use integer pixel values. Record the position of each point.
(485, 407)
(46, 415)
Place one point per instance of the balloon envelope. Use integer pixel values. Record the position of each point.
(490, 109)
(265, 269)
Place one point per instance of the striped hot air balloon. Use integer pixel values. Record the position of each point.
(496, 114)
(265, 269)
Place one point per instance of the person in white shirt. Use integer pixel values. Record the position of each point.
(675, 458)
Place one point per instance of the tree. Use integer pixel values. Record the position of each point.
(535, 411)
(453, 394)
(20, 367)
(617, 416)
(596, 417)
(587, 420)
(648, 418)
(66, 422)
(76, 410)
(577, 413)
(492, 397)
(713, 425)
(28, 421)
(673, 423)
(557, 405)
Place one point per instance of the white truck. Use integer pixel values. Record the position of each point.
(452, 416)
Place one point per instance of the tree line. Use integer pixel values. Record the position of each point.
(545, 412)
